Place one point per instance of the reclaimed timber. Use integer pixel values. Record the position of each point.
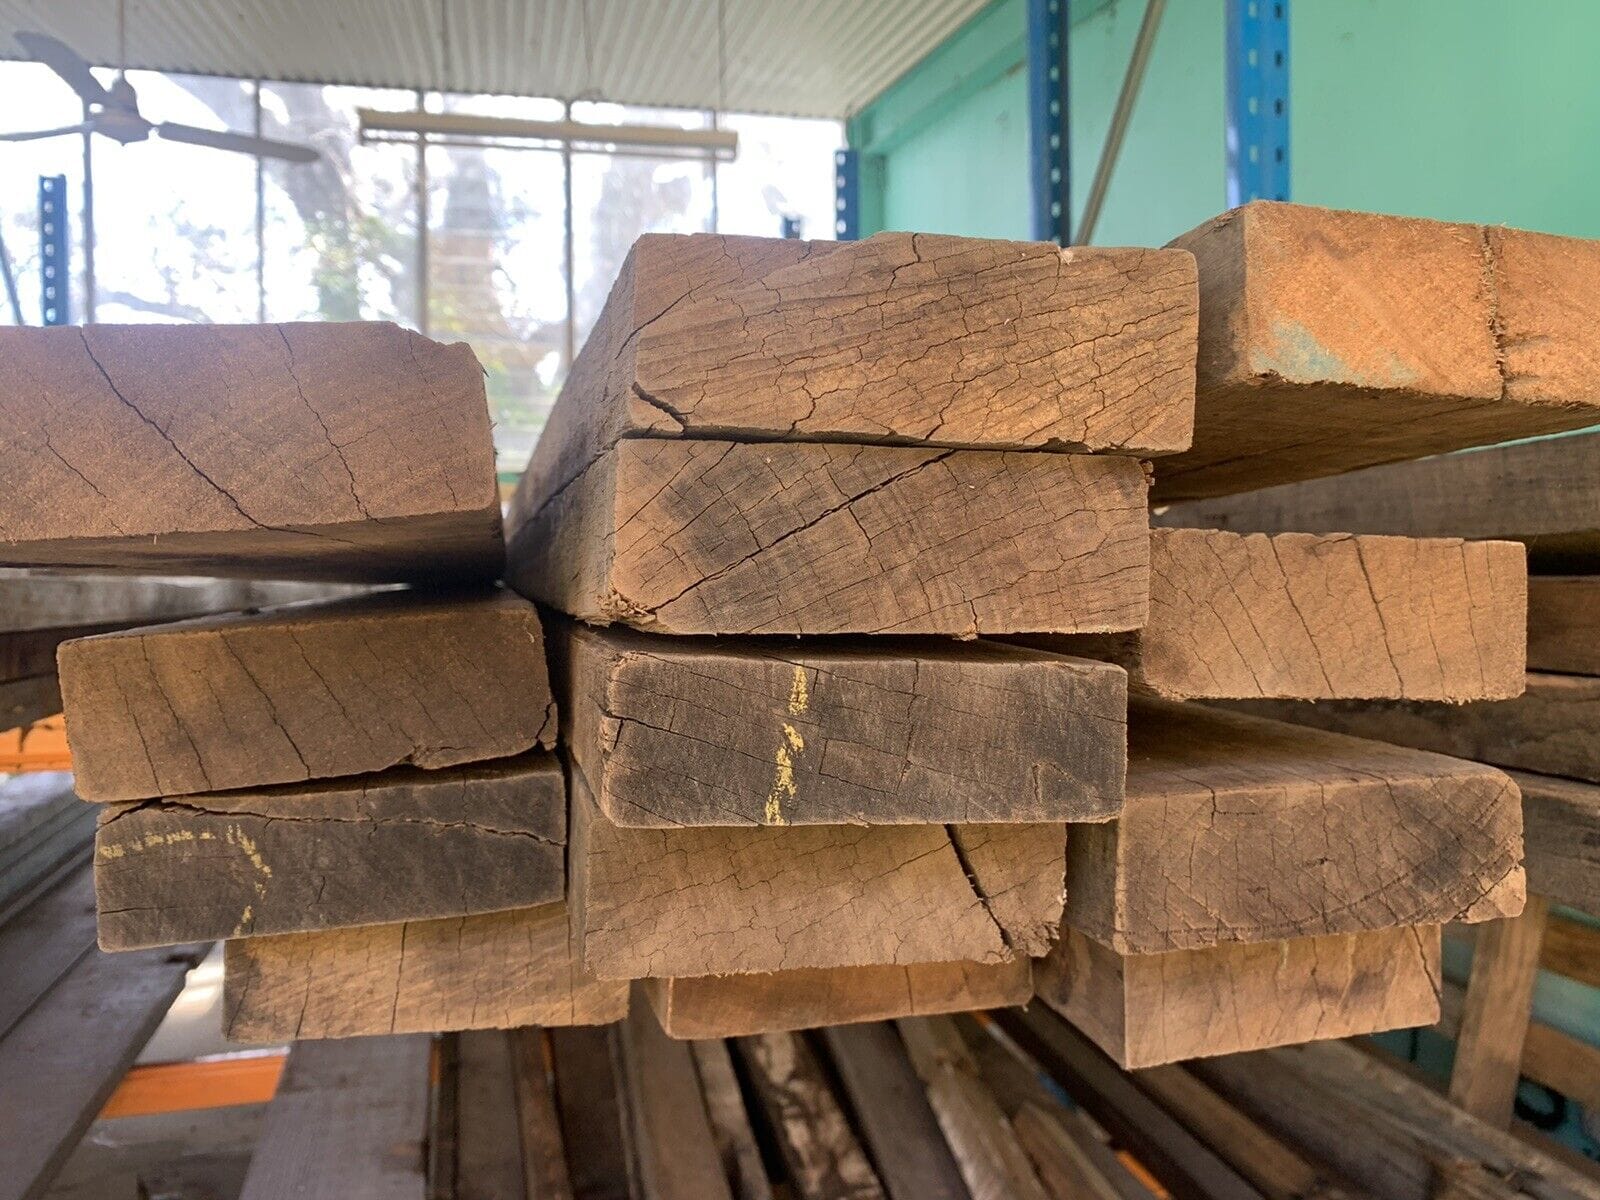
(544, 1165)
(892, 1113)
(1064, 1169)
(590, 1111)
(348, 1120)
(822, 1158)
(404, 845)
(1561, 839)
(491, 971)
(714, 1006)
(40, 602)
(730, 1121)
(488, 1137)
(902, 337)
(652, 903)
(1553, 728)
(444, 1117)
(724, 537)
(1335, 340)
(1238, 829)
(676, 732)
(1182, 1163)
(1299, 616)
(61, 1059)
(1551, 1058)
(1488, 1060)
(1386, 1133)
(1149, 1009)
(992, 1161)
(305, 692)
(1544, 494)
(672, 1139)
(1274, 1166)
(1564, 624)
(339, 451)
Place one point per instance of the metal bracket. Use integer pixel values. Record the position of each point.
(1049, 155)
(53, 271)
(1258, 100)
(847, 195)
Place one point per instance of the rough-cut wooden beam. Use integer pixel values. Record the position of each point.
(1149, 1009)
(673, 732)
(1238, 829)
(1550, 1057)
(586, 1069)
(1335, 340)
(349, 1119)
(544, 1159)
(715, 1006)
(1553, 728)
(305, 692)
(1545, 494)
(730, 1120)
(686, 902)
(903, 337)
(1561, 839)
(491, 971)
(1488, 1058)
(1311, 617)
(671, 1139)
(687, 536)
(406, 845)
(488, 1140)
(1387, 1134)
(302, 451)
(1564, 622)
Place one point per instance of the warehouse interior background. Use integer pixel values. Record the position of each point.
(950, 116)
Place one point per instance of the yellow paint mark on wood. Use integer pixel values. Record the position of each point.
(783, 785)
(799, 697)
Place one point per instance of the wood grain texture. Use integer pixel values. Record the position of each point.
(300, 451)
(1544, 494)
(687, 902)
(1238, 829)
(1553, 728)
(730, 1120)
(717, 1006)
(488, 1141)
(1144, 1010)
(681, 733)
(824, 1160)
(591, 1111)
(491, 971)
(1561, 838)
(684, 536)
(405, 845)
(1550, 1057)
(901, 337)
(544, 1159)
(305, 692)
(1487, 1066)
(1564, 624)
(1066, 1172)
(1335, 340)
(1317, 616)
(348, 1120)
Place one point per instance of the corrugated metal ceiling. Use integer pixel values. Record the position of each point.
(823, 58)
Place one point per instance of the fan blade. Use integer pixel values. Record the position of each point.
(31, 135)
(67, 63)
(244, 143)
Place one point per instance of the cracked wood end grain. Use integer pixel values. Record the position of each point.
(1145, 1010)
(356, 451)
(1238, 829)
(723, 537)
(908, 338)
(718, 1006)
(305, 692)
(404, 845)
(1544, 494)
(722, 901)
(488, 971)
(1334, 340)
(672, 732)
(1298, 616)
(1553, 728)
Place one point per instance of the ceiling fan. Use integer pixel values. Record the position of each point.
(114, 111)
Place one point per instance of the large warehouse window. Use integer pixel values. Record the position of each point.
(509, 248)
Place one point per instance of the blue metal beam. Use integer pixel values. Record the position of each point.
(847, 195)
(1258, 100)
(53, 270)
(1049, 155)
